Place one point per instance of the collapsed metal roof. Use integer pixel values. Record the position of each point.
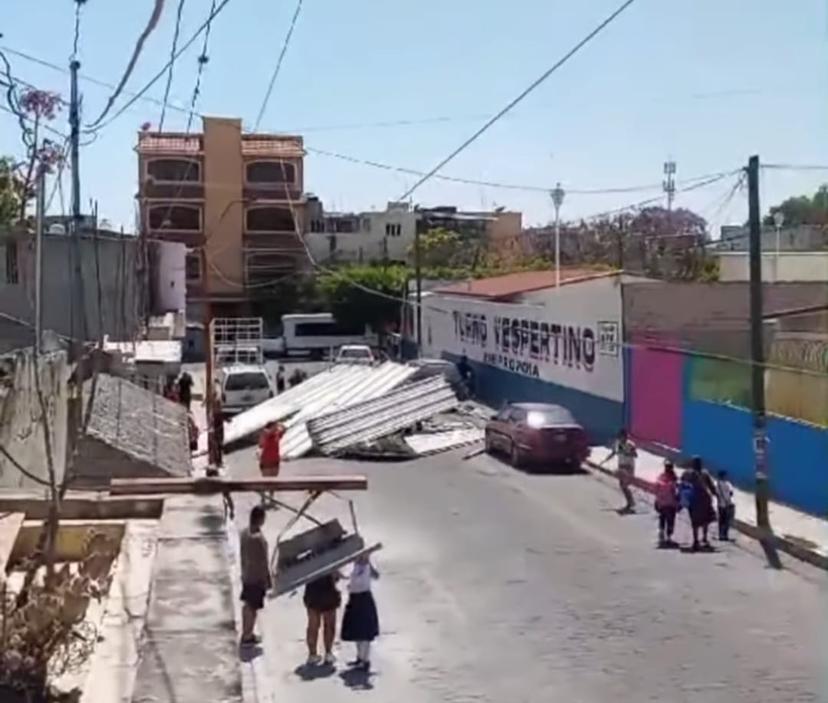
(435, 442)
(382, 415)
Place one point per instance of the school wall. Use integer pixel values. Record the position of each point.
(566, 351)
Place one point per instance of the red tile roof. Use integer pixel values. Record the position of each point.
(272, 145)
(170, 143)
(512, 284)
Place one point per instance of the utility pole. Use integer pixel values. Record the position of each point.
(418, 274)
(757, 361)
(77, 302)
(40, 207)
(557, 200)
(669, 183)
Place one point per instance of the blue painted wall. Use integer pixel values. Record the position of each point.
(797, 452)
(599, 416)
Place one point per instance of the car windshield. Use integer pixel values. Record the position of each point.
(248, 381)
(355, 354)
(549, 416)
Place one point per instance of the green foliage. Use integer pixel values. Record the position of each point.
(293, 294)
(9, 193)
(349, 294)
(803, 209)
(442, 247)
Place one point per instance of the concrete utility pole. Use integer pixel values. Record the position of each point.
(557, 200)
(77, 302)
(669, 184)
(40, 207)
(757, 360)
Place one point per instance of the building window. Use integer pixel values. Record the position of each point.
(344, 225)
(264, 172)
(317, 226)
(10, 264)
(393, 229)
(270, 219)
(175, 217)
(174, 170)
(193, 266)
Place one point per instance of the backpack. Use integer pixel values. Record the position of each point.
(686, 492)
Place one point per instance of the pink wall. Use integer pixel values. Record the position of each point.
(655, 386)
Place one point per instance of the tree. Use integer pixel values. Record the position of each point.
(442, 247)
(10, 192)
(803, 209)
(365, 295)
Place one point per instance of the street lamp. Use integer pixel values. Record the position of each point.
(557, 200)
(778, 221)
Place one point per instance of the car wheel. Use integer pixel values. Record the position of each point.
(515, 456)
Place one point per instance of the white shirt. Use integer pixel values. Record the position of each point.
(724, 493)
(360, 579)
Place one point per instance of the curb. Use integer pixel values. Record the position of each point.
(783, 544)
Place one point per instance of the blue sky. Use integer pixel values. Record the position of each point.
(706, 82)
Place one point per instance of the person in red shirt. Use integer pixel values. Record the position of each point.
(270, 456)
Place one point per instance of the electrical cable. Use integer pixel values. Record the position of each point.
(98, 125)
(278, 67)
(203, 58)
(176, 33)
(509, 106)
(136, 53)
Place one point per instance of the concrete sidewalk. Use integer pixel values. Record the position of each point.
(801, 535)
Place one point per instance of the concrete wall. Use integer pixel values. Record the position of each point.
(223, 207)
(785, 266)
(21, 431)
(118, 314)
(170, 280)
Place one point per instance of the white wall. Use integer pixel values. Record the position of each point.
(786, 267)
(573, 339)
(171, 283)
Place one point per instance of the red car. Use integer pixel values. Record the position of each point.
(537, 433)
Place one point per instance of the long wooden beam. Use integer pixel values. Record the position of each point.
(213, 486)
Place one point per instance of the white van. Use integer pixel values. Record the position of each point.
(319, 333)
(243, 386)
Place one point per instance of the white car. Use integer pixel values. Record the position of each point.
(243, 386)
(355, 354)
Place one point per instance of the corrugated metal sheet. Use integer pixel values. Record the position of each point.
(354, 384)
(435, 442)
(381, 416)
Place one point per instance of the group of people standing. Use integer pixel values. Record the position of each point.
(706, 500)
(322, 600)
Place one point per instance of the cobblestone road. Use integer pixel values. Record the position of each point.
(504, 587)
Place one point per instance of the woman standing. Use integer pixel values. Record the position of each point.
(322, 600)
(701, 503)
(361, 622)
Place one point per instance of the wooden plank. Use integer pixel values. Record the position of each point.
(213, 486)
(10, 524)
(86, 508)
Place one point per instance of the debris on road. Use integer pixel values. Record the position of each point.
(425, 444)
(382, 416)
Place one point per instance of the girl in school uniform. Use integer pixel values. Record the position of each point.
(361, 622)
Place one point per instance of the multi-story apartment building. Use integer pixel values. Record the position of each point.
(235, 200)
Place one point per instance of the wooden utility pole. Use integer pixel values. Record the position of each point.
(757, 361)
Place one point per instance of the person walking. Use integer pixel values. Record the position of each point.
(700, 503)
(270, 450)
(280, 379)
(361, 622)
(322, 600)
(185, 390)
(626, 451)
(727, 510)
(666, 503)
(255, 574)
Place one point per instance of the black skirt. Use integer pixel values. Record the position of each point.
(322, 595)
(361, 622)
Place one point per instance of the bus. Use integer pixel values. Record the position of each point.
(318, 334)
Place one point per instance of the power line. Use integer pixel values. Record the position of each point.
(176, 33)
(537, 82)
(136, 53)
(795, 167)
(278, 67)
(204, 26)
(203, 58)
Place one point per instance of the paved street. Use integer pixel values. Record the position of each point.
(504, 587)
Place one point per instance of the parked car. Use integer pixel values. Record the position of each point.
(243, 386)
(355, 354)
(427, 368)
(537, 433)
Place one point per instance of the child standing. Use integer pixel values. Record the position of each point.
(666, 503)
(361, 622)
(727, 510)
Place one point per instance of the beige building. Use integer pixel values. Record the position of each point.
(235, 200)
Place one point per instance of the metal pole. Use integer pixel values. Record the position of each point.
(418, 273)
(557, 201)
(757, 360)
(41, 206)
